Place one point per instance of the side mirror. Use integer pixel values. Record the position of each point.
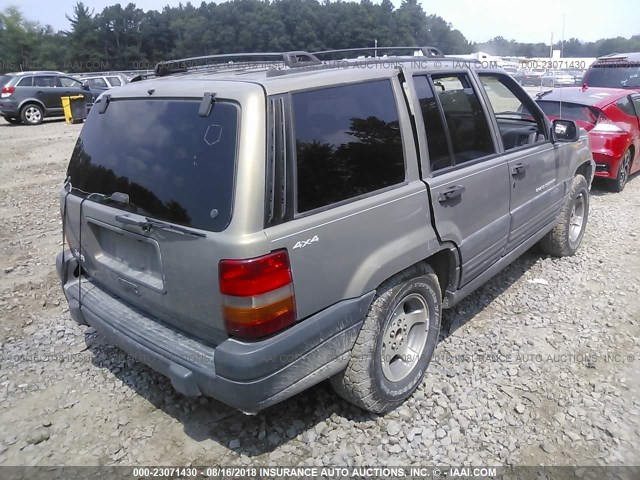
(564, 131)
(86, 87)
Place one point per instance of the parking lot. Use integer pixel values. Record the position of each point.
(539, 366)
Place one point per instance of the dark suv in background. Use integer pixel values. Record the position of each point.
(28, 97)
(618, 70)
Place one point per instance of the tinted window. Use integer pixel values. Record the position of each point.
(439, 156)
(114, 81)
(626, 106)
(25, 82)
(614, 76)
(347, 142)
(69, 82)
(174, 164)
(4, 79)
(569, 111)
(44, 81)
(466, 121)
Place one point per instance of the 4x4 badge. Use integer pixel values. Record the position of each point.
(304, 243)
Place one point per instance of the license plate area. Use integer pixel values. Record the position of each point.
(128, 254)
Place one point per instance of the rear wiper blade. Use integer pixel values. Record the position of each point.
(148, 223)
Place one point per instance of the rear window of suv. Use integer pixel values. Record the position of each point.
(614, 76)
(174, 164)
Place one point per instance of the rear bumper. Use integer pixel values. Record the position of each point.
(9, 108)
(249, 376)
(606, 165)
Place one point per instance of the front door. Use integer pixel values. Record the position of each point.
(469, 182)
(534, 162)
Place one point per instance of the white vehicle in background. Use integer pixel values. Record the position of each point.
(104, 82)
(557, 78)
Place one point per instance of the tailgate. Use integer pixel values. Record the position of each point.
(170, 167)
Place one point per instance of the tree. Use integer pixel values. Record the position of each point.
(83, 50)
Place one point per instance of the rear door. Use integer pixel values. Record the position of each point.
(46, 88)
(468, 181)
(534, 162)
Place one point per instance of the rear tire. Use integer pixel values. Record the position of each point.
(566, 237)
(618, 184)
(396, 343)
(32, 114)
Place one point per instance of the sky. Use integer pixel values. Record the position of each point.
(479, 20)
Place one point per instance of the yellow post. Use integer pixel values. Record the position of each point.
(66, 106)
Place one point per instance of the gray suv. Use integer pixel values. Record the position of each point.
(251, 228)
(29, 97)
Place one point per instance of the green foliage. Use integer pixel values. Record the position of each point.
(127, 38)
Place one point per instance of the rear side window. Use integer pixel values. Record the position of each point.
(636, 104)
(348, 143)
(174, 164)
(114, 81)
(436, 135)
(626, 106)
(25, 82)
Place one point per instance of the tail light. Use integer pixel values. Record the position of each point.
(605, 125)
(7, 91)
(258, 297)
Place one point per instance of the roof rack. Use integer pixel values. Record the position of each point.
(426, 51)
(211, 62)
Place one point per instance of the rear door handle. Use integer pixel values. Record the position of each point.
(452, 192)
(519, 169)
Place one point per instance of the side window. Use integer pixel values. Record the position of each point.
(348, 143)
(44, 81)
(97, 82)
(636, 104)
(625, 105)
(69, 82)
(439, 155)
(465, 119)
(25, 82)
(114, 81)
(519, 121)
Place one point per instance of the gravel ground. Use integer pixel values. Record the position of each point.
(540, 366)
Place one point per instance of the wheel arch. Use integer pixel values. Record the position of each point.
(34, 101)
(586, 170)
(445, 264)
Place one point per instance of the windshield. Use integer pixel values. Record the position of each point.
(614, 76)
(174, 164)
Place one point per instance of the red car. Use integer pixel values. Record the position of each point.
(612, 118)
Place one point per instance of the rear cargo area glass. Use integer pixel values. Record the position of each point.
(175, 165)
(570, 111)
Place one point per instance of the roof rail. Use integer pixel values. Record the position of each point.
(289, 59)
(426, 51)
